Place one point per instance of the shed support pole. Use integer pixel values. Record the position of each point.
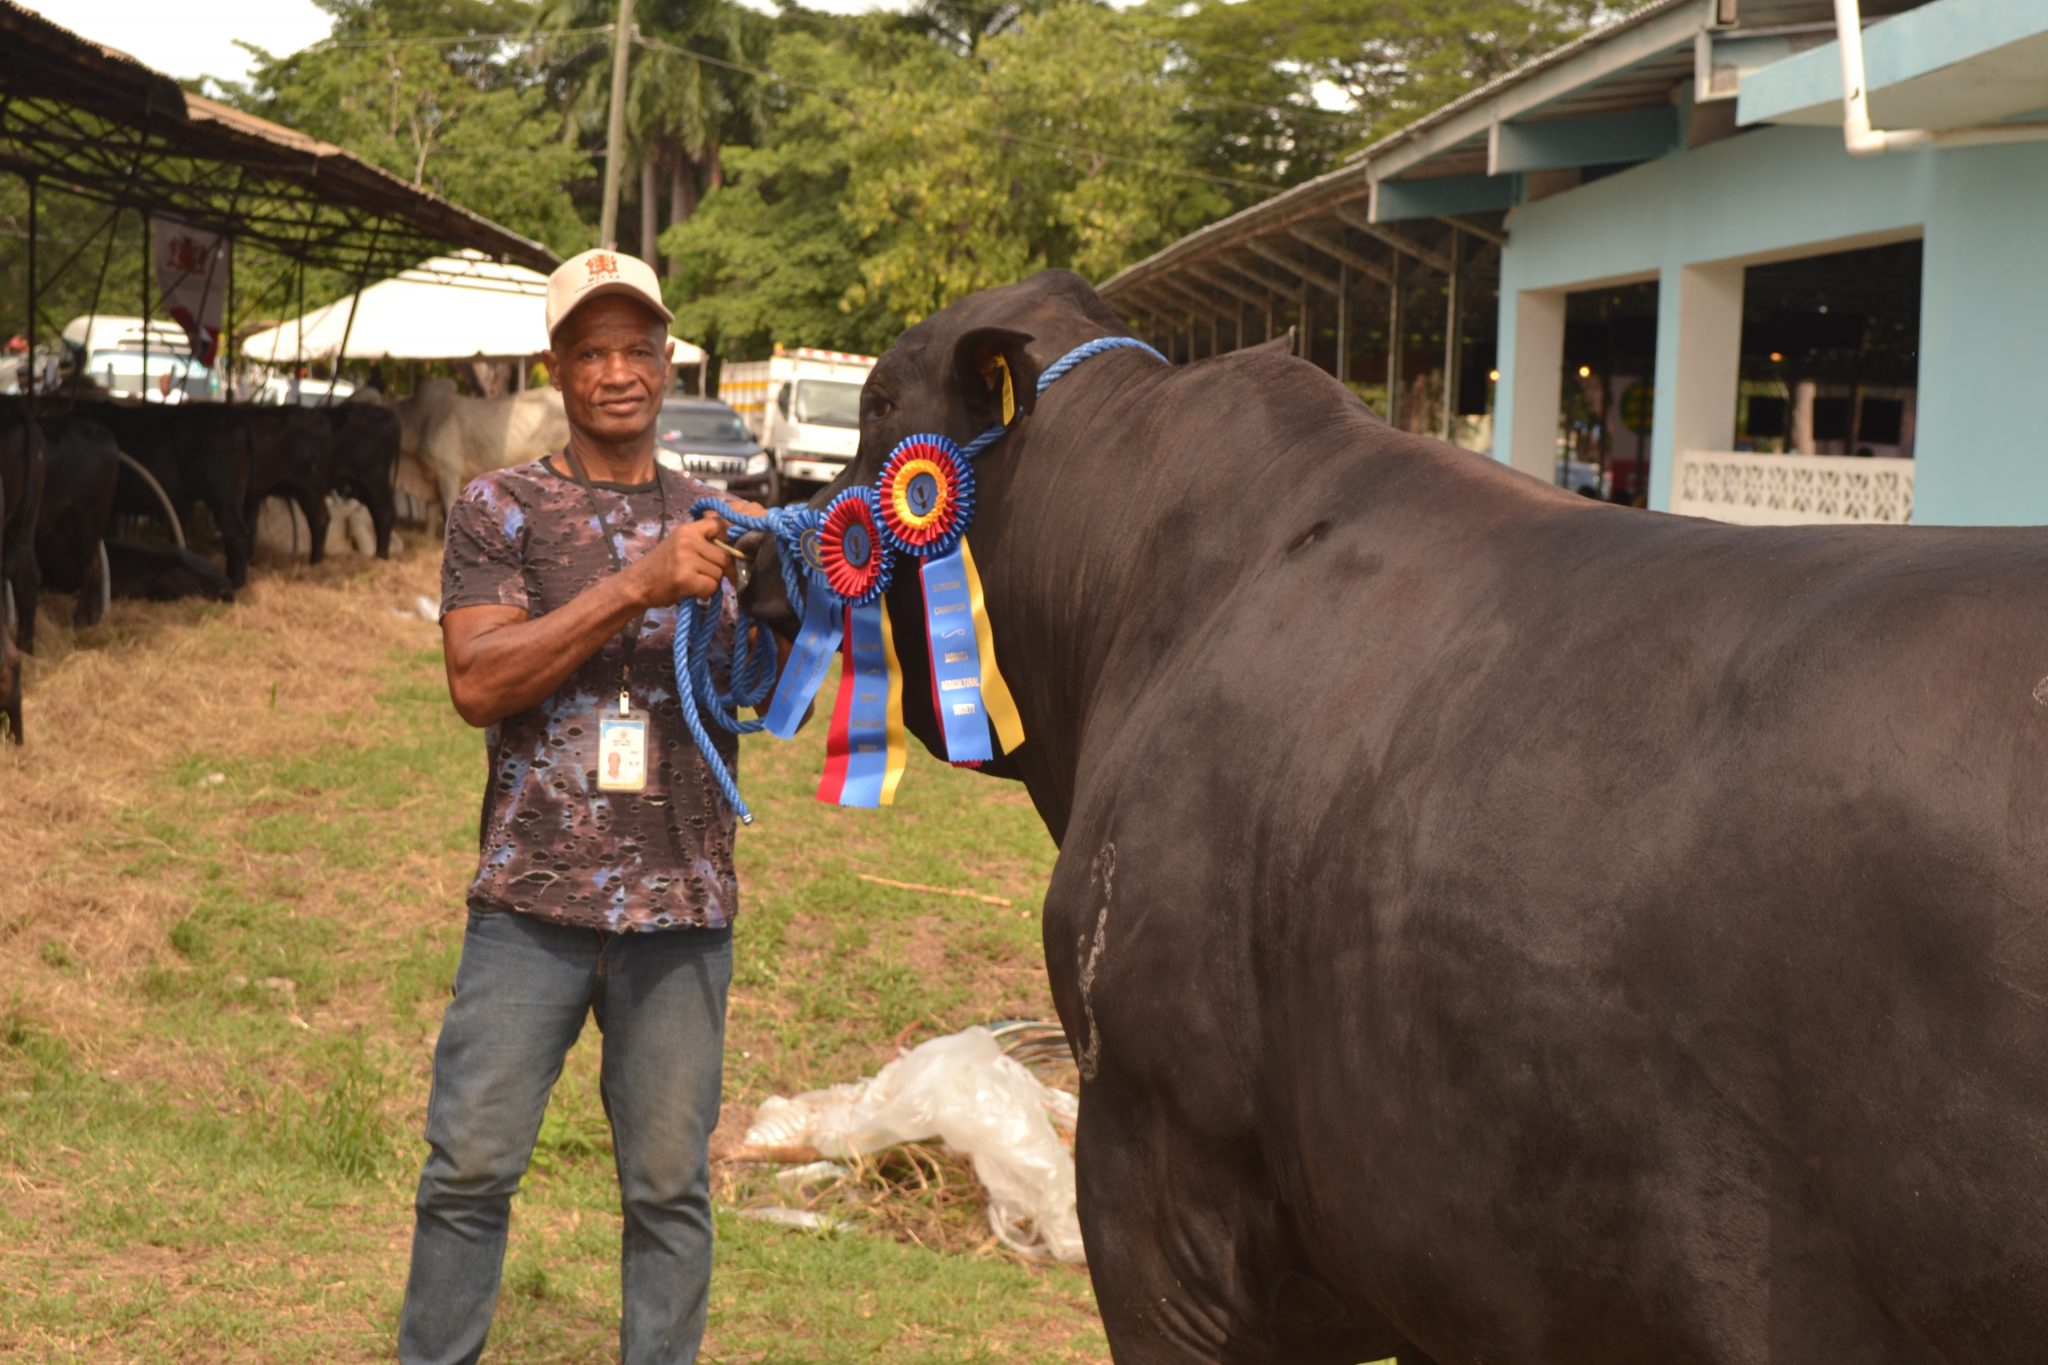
(347, 329)
(1343, 369)
(226, 359)
(1394, 339)
(100, 285)
(32, 300)
(1451, 342)
(1215, 337)
(147, 246)
(1307, 342)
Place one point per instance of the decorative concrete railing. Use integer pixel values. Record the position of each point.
(1786, 490)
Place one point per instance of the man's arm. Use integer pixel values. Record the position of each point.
(501, 661)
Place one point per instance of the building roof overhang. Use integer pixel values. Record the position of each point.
(1666, 76)
(1948, 64)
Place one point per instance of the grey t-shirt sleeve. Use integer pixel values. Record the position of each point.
(483, 561)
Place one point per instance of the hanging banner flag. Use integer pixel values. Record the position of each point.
(865, 750)
(192, 281)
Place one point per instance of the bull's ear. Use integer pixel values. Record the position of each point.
(995, 373)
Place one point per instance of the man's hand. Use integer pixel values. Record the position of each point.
(688, 563)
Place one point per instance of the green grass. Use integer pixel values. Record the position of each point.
(219, 1167)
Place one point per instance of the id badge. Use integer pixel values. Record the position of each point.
(622, 751)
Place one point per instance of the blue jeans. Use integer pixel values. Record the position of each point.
(521, 994)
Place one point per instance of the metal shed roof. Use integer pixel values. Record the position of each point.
(93, 121)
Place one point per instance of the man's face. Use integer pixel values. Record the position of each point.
(610, 359)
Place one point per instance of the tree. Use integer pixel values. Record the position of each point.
(681, 109)
(467, 120)
(1058, 144)
(1394, 60)
(770, 256)
(962, 24)
(901, 174)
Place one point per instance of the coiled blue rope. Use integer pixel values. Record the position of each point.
(752, 675)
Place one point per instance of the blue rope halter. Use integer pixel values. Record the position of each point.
(752, 675)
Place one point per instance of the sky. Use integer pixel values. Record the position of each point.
(189, 41)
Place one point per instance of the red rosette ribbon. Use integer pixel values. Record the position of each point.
(926, 496)
(852, 549)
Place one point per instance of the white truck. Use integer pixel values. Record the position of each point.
(803, 406)
(111, 350)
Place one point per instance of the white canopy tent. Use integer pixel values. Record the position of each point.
(459, 307)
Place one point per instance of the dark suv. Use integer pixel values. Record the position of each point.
(705, 439)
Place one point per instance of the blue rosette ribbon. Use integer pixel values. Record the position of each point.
(926, 496)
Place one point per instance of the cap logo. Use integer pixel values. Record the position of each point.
(602, 266)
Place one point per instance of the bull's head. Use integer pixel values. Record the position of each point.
(942, 377)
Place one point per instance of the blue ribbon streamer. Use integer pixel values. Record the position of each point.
(867, 758)
(956, 658)
(810, 659)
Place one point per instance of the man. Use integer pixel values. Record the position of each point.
(606, 881)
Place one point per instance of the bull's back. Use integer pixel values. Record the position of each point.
(1633, 903)
(1699, 921)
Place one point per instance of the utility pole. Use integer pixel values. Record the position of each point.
(615, 126)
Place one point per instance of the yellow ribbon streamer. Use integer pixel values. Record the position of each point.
(997, 372)
(893, 728)
(995, 693)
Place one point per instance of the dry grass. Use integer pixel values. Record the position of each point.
(110, 709)
(213, 1149)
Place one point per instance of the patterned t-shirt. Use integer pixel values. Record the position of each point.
(553, 845)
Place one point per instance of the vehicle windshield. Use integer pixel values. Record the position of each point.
(828, 402)
(708, 426)
(121, 372)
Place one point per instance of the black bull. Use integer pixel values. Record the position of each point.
(1495, 926)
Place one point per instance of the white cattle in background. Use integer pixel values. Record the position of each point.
(281, 529)
(446, 439)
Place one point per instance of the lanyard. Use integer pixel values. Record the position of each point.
(631, 633)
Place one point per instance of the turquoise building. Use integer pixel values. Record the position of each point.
(1764, 260)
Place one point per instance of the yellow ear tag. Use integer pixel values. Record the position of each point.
(1009, 393)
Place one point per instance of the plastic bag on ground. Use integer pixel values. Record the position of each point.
(963, 1091)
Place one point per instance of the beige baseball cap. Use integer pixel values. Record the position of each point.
(594, 274)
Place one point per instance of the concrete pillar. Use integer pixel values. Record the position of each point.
(1699, 355)
(1525, 411)
(1803, 394)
